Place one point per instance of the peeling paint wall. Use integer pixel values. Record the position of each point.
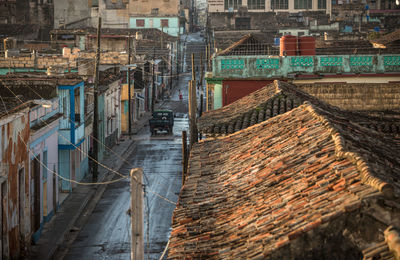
(14, 134)
(142, 8)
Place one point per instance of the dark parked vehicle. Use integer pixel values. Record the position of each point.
(163, 120)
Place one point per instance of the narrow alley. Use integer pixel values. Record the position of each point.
(105, 232)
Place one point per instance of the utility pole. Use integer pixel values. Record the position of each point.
(201, 84)
(184, 156)
(129, 86)
(136, 210)
(171, 66)
(207, 54)
(209, 57)
(133, 79)
(177, 56)
(153, 92)
(95, 108)
(162, 37)
(193, 106)
(193, 69)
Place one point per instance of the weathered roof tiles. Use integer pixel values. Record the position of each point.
(275, 99)
(288, 187)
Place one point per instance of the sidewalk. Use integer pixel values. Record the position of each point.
(54, 232)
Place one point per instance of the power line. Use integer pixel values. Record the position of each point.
(104, 166)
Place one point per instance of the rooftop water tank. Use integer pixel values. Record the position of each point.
(288, 45)
(307, 46)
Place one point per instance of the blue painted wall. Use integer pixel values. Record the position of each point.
(64, 169)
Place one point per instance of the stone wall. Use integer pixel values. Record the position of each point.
(69, 59)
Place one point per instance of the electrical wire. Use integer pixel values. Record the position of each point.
(68, 141)
(97, 140)
(95, 161)
(53, 172)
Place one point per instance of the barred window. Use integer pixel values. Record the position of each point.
(322, 4)
(279, 4)
(232, 4)
(139, 22)
(302, 4)
(256, 4)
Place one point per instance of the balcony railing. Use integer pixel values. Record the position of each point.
(66, 134)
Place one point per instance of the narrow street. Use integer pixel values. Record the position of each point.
(105, 234)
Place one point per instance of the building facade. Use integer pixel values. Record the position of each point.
(162, 15)
(73, 14)
(72, 153)
(43, 147)
(292, 6)
(15, 184)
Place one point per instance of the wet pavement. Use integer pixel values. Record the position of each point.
(105, 232)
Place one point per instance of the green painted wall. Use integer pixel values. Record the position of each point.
(155, 22)
(276, 66)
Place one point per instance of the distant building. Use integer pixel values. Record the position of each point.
(262, 14)
(224, 6)
(72, 14)
(25, 19)
(163, 15)
(119, 14)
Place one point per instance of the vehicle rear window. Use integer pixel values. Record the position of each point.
(161, 114)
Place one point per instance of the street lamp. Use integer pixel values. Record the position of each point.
(44, 103)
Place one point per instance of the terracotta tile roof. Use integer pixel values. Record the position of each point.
(259, 191)
(270, 101)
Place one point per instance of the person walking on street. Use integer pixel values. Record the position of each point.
(180, 95)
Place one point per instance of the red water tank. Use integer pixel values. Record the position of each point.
(288, 45)
(307, 46)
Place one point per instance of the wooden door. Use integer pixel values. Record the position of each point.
(73, 165)
(35, 223)
(55, 190)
